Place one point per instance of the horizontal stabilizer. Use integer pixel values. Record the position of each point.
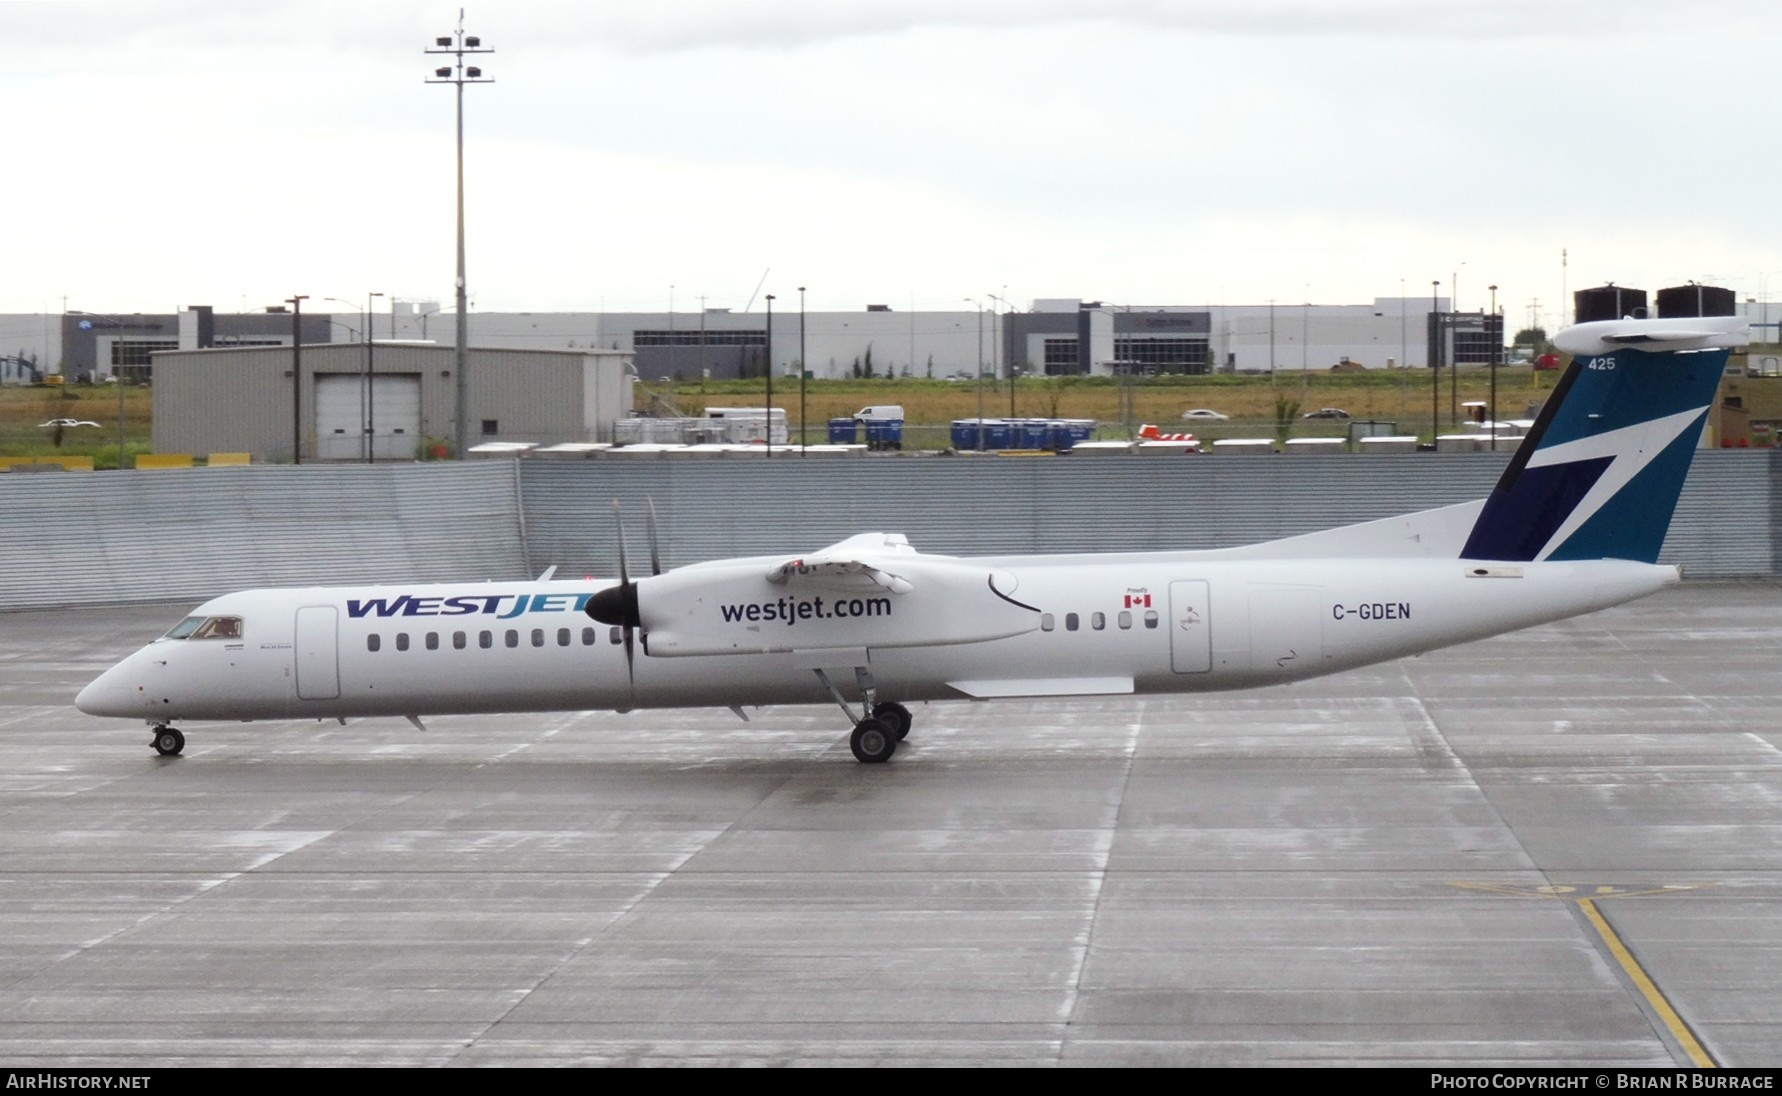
(1691, 333)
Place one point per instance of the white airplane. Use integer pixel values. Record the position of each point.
(1574, 525)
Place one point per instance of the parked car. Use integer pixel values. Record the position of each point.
(68, 422)
(1326, 413)
(1204, 413)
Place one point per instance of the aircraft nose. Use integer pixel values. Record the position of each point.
(107, 695)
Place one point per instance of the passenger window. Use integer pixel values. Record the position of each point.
(1047, 622)
(373, 642)
(1125, 619)
(538, 637)
(618, 636)
(485, 639)
(563, 637)
(1150, 618)
(513, 638)
(433, 641)
(1098, 621)
(590, 637)
(402, 641)
(458, 639)
(1070, 622)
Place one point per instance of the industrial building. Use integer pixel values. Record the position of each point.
(1049, 336)
(381, 401)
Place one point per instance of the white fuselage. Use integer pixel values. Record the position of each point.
(1139, 623)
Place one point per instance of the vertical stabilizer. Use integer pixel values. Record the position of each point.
(1599, 475)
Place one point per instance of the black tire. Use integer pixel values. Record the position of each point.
(873, 742)
(169, 742)
(895, 716)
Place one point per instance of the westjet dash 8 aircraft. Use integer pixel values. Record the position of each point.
(1574, 525)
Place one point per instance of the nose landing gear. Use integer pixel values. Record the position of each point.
(168, 742)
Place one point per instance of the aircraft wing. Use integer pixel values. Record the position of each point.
(853, 564)
(838, 572)
(877, 544)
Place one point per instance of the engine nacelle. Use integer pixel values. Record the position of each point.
(911, 602)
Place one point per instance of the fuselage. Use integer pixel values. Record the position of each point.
(1140, 623)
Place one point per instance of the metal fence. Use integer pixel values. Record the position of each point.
(91, 538)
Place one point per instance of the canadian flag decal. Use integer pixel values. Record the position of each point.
(1142, 601)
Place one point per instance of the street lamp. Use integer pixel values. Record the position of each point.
(980, 377)
(803, 368)
(1435, 360)
(459, 74)
(1494, 325)
(768, 429)
(365, 373)
(995, 323)
(370, 381)
(296, 303)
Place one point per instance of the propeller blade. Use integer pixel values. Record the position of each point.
(650, 526)
(619, 521)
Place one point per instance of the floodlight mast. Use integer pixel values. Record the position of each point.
(458, 75)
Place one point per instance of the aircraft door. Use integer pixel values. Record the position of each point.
(1190, 634)
(318, 656)
(1286, 629)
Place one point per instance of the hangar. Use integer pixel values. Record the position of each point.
(379, 401)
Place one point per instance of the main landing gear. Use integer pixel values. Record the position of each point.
(882, 726)
(168, 742)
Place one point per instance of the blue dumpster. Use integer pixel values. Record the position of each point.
(842, 432)
(996, 434)
(1071, 431)
(968, 433)
(1029, 433)
(884, 433)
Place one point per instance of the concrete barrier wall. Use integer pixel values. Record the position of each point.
(1725, 525)
(193, 533)
(189, 534)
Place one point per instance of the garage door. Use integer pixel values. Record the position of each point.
(345, 404)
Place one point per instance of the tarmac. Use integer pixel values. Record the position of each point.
(1561, 847)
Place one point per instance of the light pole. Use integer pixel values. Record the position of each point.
(364, 367)
(296, 303)
(117, 377)
(803, 368)
(995, 323)
(1763, 301)
(1435, 360)
(458, 74)
(371, 381)
(768, 430)
(980, 376)
(1497, 328)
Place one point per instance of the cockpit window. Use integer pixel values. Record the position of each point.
(184, 628)
(217, 627)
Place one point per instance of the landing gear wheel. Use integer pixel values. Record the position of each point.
(895, 716)
(874, 741)
(168, 741)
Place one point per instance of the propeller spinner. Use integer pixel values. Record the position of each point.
(617, 605)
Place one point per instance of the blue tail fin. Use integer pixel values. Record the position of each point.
(1599, 475)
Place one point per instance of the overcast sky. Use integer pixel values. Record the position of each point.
(888, 151)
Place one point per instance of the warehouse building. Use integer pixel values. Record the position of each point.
(379, 402)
